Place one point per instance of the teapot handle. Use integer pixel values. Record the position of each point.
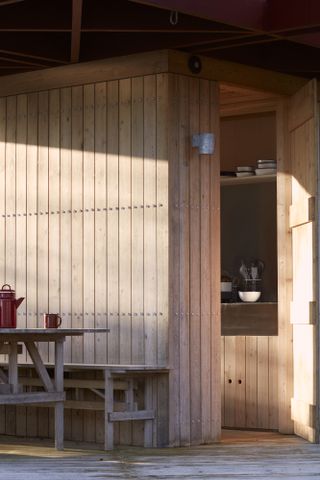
(6, 285)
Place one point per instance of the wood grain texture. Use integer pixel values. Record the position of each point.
(303, 141)
(250, 382)
(87, 175)
(194, 255)
(284, 247)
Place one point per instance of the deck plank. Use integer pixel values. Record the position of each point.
(240, 455)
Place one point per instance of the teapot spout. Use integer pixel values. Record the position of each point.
(19, 301)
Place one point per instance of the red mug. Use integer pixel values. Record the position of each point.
(51, 320)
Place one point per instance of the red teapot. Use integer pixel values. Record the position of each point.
(8, 307)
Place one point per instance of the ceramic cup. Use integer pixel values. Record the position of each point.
(51, 320)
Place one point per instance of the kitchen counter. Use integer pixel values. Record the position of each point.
(256, 319)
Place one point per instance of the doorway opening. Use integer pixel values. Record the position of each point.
(249, 320)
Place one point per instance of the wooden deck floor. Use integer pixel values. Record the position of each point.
(239, 456)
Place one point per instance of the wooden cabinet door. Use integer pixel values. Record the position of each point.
(304, 315)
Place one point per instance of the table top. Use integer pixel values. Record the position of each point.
(44, 334)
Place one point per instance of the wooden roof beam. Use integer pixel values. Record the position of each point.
(76, 30)
(261, 16)
(9, 2)
(247, 14)
(50, 61)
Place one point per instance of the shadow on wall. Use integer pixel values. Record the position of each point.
(84, 213)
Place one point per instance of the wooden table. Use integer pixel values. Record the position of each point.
(11, 392)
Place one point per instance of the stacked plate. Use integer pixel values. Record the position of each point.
(266, 167)
(245, 171)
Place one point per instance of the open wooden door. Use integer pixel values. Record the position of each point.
(304, 315)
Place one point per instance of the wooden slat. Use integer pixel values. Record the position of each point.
(222, 379)
(58, 381)
(10, 156)
(21, 165)
(229, 381)
(162, 217)
(176, 375)
(184, 246)
(125, 219)
(195, 272)
(31, 233)
(205, 247)
(21, 283)
(76, 219)
(240, 382)
(54, 234)
(215, 265)
(113, 221)
(262, 383)
(137, 415)
(88, 220)
(251, 382)
(100, 238)
(3, 126)
(273, 383)
(66, 205)
(284, 246)
(43, 217)
(125, 235)
(150, 241)
(138, 354)
(29, 398)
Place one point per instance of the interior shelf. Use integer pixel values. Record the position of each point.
(247, 180)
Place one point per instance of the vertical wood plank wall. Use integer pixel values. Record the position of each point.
(249, 382)
(194, 259)
(84, 221)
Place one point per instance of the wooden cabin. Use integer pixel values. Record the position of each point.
(110, 217)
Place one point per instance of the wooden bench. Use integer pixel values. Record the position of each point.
(116, 378)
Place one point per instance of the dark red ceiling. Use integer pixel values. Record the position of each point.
(283, 35)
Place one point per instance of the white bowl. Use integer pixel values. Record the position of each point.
(249, 296)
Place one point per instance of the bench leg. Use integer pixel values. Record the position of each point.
(108, 392)
(59, 406)
(58, 421)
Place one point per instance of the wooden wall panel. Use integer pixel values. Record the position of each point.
(194, 340)
(249, 379)
(303, 138)
(85, 226)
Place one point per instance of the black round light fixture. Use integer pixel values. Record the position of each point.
(194, 64)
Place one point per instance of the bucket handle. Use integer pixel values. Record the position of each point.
(6, 285)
